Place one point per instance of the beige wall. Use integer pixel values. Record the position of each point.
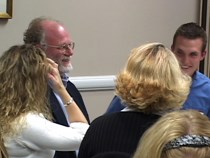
(104, 31)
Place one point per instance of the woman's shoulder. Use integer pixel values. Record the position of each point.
(34, 116)
(124, 116)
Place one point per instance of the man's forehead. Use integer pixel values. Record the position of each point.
(189, 44)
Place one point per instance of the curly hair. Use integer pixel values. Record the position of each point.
(169, 127)
(152, 80)
(23, 84)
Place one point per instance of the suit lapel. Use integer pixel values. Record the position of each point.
(58, 113)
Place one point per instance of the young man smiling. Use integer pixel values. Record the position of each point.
(189, 46)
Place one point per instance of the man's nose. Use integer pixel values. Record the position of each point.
(185, 60)
(69, 51)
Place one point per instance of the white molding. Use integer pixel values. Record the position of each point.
(92, 83)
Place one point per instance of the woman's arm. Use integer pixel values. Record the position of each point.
(75, 114)
(40, 134)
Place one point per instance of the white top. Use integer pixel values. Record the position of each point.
(40, 138)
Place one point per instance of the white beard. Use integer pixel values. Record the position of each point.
(65, 69)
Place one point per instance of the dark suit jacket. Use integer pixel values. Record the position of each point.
(60, 118)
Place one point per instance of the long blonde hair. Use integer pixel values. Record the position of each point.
(171, 126)
(23, 84)
(3, 151)
(152, 80)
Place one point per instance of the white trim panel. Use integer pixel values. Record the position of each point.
(91, 83)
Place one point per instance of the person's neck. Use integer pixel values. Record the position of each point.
(193, 75)
(63, 75)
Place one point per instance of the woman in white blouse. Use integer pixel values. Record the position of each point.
(26, 123)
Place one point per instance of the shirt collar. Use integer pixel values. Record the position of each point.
(65, 79)
(195, 76)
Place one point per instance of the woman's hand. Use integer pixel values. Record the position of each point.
(74, 112)
(54, 78)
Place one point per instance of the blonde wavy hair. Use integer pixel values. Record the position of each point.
(169, 127)
(152, 80)
(23, 84)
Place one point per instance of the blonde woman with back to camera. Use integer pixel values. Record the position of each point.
(25, 122)
(179, 134)
(151, 84)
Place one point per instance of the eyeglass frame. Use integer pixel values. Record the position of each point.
(62, 47)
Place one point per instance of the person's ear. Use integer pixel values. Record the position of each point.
(172, 48)
(203, 54)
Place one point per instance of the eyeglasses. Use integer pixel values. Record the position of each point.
(62, 47)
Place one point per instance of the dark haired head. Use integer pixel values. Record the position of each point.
(191, 30)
